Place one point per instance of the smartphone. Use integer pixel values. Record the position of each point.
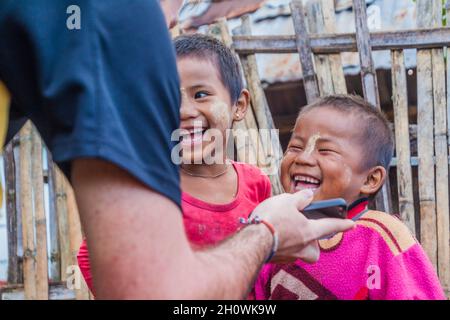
(332, 208)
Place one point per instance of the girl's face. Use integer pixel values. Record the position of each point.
(206, 109)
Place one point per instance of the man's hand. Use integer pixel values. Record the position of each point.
(297, 235)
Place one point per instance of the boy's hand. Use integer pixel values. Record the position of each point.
(297, 235)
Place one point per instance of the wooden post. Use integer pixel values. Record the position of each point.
(441, 155)
(447, 14)
(330, 74)
(304, 50)
(268, 144)
(33, 215)
(369, 83)
(63, 224)
(55, 255)
(404, 174)
(429, 17)
(75, 237)
(11, 215)
(368, 73)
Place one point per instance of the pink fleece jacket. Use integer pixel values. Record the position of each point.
(379, 259)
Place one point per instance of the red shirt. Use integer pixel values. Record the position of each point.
(207, 223)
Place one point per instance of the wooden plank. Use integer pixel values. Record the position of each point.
(11, 215)
(63, 224)
(321, 61)
(29, 245)
(447, 13)
(18, 195)
(55, 256)
(425, 139)
(40, 222)
(304, 51)
(330, 74)
(441, 155)
(336, 69)
(404, 172)
(57, 291)
(369, 83)
(269, 144)
(345, 42)
(76, 237)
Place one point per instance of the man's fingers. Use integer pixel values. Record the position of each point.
(303, 198)
(324, 227)
(311, 252)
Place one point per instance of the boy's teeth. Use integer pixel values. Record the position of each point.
(306, 179)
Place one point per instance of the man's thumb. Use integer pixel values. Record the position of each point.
(303, 198)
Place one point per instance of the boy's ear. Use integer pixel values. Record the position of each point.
(241, 105)
(374, 181)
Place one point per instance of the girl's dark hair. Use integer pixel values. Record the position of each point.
(207, 47)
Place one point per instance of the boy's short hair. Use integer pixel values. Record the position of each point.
(376, 135)
(206, 47)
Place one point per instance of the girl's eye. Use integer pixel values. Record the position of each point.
(200, 95)
(295, 148)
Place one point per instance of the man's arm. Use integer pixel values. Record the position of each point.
(139, 248)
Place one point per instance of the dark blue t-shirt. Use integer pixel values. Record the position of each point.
(107, 90)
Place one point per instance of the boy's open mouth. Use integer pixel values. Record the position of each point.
(301, 182)
(191, 136)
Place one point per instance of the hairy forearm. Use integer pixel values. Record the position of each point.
(228, 270)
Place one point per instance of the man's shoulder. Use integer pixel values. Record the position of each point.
(390, 229)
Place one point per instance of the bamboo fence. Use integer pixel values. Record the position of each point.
(32, 275)
(319, 52)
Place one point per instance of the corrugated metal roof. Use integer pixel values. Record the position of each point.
(273, 18)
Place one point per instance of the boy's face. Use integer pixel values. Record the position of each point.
(206, 108)
(324, 155)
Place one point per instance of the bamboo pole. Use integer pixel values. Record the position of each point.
(29, 259)
(269, 145)
(336, 70)
(63, 224)
(40, 217)
(441, 155)
(11, 216)
(55, 254)
(425, 140)
(423, 38)
(304, 51)
(33, 215)
(75, 238)
(321, 61)
(447, 14)
(404, 173)
(369, 84)
(330, 74)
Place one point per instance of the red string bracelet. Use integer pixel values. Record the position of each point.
(258, 220)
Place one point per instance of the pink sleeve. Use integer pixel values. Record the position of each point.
(409, 276)
(84, 264)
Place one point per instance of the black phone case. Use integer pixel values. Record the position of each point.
(333, 208)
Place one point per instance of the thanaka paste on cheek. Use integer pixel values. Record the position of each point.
(183, 94)
(220, 114)
(311, 145)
